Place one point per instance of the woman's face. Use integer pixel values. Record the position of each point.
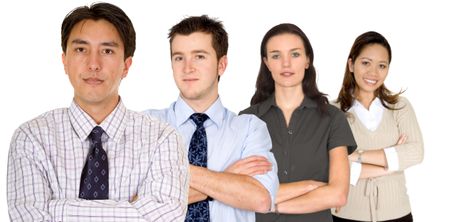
(370, 69)
(286, 60)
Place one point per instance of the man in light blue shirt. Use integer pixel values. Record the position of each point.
(241, 174)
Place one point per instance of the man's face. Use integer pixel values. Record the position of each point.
(94, 61)
(195, 66)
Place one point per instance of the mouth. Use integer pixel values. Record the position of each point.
(286, 74)
(93, 81)
(190, 80)
(370, 81)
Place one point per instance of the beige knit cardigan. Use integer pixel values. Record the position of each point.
(385, 198)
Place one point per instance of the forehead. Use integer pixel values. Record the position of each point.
(95, 31)
(285, 41)
(193, 42)
(375, 50)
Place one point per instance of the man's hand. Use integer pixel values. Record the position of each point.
(251, 166)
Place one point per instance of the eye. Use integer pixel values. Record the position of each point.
(200, 56)
(108, 51)
(296, 54)
(383, 66)
(177, 58)
(365, 63)
(275, 56)
(80, 49)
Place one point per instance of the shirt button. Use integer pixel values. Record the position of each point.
(290, 132)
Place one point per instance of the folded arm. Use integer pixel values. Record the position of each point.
(32, 187)
(333, 194)
(240, 191)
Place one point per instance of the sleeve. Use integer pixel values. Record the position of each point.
(391, 158)
(355, 172)
(340, 133)
(28, 189)
(258, 142)
(411, 152)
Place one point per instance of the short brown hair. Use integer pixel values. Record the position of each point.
(203, 24)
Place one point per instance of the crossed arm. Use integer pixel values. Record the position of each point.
(34, 192)
(240, 190)
(237, 190)
(374, 162)
(308, 196)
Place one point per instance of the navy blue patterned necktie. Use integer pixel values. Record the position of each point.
(94, 178)
(198, 156)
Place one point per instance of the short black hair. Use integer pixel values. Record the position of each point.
(97, 11)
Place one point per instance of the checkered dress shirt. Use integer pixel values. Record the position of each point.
(147, 159)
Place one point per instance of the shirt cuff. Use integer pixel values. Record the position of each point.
(355, 171)
(391, 158)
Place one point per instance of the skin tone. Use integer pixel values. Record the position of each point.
(95, 64)
(370, 70)
(196, 70)
(287, 61)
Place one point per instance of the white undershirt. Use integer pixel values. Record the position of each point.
(371, 119)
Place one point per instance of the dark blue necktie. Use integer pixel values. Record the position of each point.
(198, 156)
(94, 178)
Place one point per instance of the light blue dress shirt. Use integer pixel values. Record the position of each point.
(230, 138)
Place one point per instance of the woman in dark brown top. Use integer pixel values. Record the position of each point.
(311, 139)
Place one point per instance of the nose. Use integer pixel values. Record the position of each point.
(286, 61)
(188, 67)
(94, 62)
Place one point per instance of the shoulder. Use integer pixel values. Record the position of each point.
(250, 110)
(335, 104)
(403, 102)
(45, 121)
(245, 120)
(258, 109)
(33, 133)
(161, 114)
(334, 111)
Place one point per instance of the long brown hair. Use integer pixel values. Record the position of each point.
(346, 94)
(265, 85)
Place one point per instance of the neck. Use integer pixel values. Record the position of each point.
(200, 105)
(288, 98)
(98, 111)
(365, 98)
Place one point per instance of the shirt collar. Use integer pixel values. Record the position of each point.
(376, 105)
(183, 111)
(270, 102)
(114, 124)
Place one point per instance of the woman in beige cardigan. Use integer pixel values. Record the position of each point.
(387, 133)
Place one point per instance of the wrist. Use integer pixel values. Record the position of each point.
(359, 157)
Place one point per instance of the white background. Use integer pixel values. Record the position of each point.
(33, 80)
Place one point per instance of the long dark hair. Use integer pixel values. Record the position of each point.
(265, 85)
(346, 95)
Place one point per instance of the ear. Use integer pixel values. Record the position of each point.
(222, 65)
(63, 58)
(128, 62)
(307, 63)
(350, 64)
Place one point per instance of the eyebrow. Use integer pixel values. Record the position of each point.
(84, 42)
(372, 60)
(294, 49)
(192, 52)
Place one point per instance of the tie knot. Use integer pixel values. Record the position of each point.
(199, 118)
(96, 134)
